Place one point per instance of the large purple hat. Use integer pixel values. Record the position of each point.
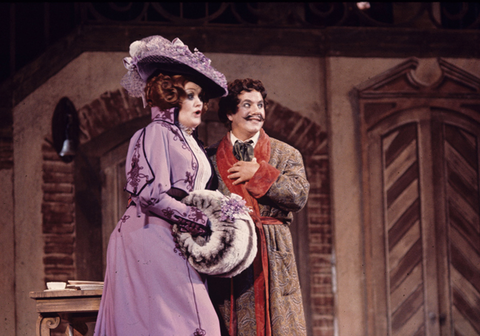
(155, 54)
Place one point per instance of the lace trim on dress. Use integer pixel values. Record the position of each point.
(204, 171)
(188, 130)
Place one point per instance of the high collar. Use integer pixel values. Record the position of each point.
(255, 138)
(167, 115)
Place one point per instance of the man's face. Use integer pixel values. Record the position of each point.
(250, 115)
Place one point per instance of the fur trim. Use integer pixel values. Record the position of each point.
(229, 249)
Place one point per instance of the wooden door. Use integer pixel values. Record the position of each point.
(403, 263)
(421, 185)
(456, 176)
(114, 198)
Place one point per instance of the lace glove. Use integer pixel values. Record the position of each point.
(196, 222)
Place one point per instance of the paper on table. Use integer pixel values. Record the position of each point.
(85, 284)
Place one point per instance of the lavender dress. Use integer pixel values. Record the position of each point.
(150, 289)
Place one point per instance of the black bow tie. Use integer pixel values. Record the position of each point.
(243, 151)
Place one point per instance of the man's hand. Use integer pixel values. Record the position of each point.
(243, 171)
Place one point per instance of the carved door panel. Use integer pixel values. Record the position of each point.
(421, 161)
(457, 176)
(403, 265)
(406, 262)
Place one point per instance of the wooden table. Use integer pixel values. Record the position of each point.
(75, 306)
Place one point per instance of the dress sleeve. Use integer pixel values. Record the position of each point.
(148, 169)
(287, 186)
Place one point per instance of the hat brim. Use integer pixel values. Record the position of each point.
(153, 65)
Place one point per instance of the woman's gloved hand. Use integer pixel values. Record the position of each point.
(196, 222)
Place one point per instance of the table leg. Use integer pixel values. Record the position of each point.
(76, 329)
(46, 323)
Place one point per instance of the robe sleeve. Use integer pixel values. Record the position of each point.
(263, 180)
(287, 186)
(148, 169)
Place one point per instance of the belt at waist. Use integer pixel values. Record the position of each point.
(149, 219)
(270, 220)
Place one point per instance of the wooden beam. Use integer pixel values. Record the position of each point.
(257, 40)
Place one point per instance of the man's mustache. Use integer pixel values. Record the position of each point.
(255, 116)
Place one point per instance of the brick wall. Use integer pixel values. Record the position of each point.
(106, 112)
(58, 214)
(320, 246)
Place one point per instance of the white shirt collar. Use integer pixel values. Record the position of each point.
(233, 138)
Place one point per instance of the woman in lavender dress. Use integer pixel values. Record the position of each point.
(150, 288)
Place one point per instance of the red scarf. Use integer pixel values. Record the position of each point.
(225, 160)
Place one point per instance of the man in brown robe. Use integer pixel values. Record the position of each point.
(265, 299)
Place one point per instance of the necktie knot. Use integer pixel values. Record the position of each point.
(243, 151)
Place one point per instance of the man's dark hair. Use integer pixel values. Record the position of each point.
(229, 105)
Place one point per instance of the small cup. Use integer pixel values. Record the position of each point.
(56, 285)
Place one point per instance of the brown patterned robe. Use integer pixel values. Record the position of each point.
(279, 187)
